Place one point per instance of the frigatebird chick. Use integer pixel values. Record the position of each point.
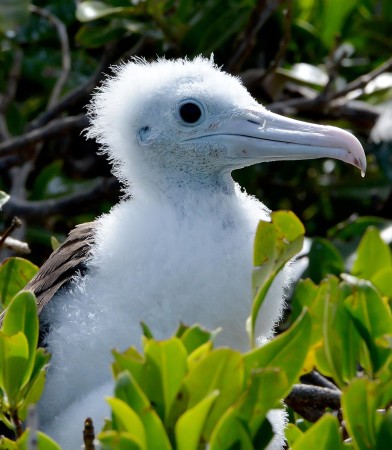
(178, 247)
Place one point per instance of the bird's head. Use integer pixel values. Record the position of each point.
(185, 122)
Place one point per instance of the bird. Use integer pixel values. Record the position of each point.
(178, 245)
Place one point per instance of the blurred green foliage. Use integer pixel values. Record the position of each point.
(327, 38)
(345, 332)
(182, 393)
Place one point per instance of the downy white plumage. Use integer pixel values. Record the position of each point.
(178, 247)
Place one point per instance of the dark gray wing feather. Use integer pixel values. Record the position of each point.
(62, 265)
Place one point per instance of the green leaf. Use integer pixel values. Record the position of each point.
(93, 35)
(125, 419)
(33, 394)
(286, 351)
(373, 255)
(333, 17)
(382, 281)
(220, 370)
(292, 433)
(129, 391)
(44, 442)
(339, 354)
(323, 435)
(15, 273)
(13, 14)
(130, 360)
(231, 433)
(92, 10)
(113, 440)
(324, 259)
(21, 316)
(372, 318)
(14, 362)
(360, 400)
(189, 427)
(304, 296)
(263, 393)
(165, 367)
(384, 435)
(276, 243)
(195, 336)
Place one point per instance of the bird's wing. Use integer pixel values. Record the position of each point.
(62, 265)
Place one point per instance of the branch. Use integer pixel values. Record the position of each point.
(102, 188)
(16, 223)
(16, 246)
(65, 51)
(362, 81)
(53, 129)
(88, 434)
(288, 18)
(262, 12)
(316, 379)
(80, 93)
(311, 401)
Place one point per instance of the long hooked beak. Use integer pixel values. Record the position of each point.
(259, 135)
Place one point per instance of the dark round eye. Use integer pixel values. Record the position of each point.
(191, 112)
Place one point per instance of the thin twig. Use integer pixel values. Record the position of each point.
(15, 223)
(65, 51)
(9, 92)
(102, 188)
(262, 12)
(284, 42)
(80, 93)
(53, 129)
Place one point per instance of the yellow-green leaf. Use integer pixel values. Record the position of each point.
(190, 425)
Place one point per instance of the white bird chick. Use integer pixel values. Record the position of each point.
(178, 247)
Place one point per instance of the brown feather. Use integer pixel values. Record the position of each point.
(62, 265)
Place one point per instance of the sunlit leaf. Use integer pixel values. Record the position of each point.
(372, 318)
(286, 351)
(195, 336)
(166, 365)
(190, 425)
(92, 10)
(276, 242)
(339, 353)
(14, 362)
(371, 248)
(360, 401)
(125, 419)
(220, 370)
(113, 440)
(129, 391)
(323, 435)
(383, 281)
(15, 273)
(21, 316)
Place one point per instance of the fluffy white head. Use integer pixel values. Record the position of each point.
(136, 117)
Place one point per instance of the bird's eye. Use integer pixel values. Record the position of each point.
(191, 112)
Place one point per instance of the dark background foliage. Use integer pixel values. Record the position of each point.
(322, 61)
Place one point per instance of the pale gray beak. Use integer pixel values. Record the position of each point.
(259, 135)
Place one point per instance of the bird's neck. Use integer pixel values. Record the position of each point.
(180, 188)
